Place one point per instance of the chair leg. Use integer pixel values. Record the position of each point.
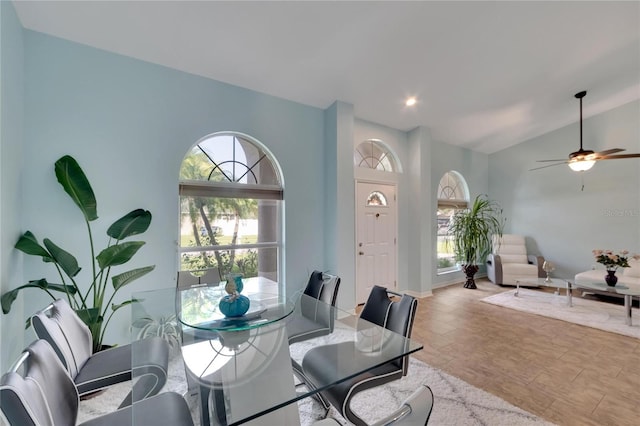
(297, 371)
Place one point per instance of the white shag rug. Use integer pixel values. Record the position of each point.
(591, 313)
(456, 403)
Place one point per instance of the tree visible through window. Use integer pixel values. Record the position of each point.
(230, 201)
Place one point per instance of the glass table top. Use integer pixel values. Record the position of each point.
(197, 306)
(619, 288)
(248, 367)
(554, 282)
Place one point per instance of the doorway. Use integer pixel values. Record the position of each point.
(376, 237)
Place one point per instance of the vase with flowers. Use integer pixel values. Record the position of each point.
(612, 261)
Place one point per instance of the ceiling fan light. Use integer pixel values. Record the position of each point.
(581, 165)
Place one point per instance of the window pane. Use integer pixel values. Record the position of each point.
(209, 221)
(445, 248)
(248, 262)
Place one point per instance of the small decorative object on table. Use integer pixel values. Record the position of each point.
(612, 261)
(548, 267)
(234, 304)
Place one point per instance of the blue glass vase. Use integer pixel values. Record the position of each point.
(234, 305)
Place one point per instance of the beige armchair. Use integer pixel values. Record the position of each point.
(509, 261)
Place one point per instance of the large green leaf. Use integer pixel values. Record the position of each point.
(66, 260)
(472, 229)
(115, 307)
(125, 278)
(28, 243)
(91, 317)
(118, 254)
(76, 184)
(8, 298)
(134, 222)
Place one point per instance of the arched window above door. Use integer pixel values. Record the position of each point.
(373, 154)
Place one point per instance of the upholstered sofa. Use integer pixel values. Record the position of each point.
(630, 275)
(509, 260)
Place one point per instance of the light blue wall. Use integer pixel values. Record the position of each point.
(129, 124)
(421, 255)
(11, 121)
(562, 221)
(339, 199)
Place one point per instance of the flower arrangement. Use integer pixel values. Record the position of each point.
(612, 261)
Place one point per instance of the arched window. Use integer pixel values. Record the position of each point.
(373, 154)
(230, 207)
(453, 195)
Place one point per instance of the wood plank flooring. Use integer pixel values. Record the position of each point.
(565, 373)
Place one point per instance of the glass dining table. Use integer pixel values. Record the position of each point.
(241, 367)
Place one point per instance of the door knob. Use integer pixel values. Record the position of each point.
(360, 253)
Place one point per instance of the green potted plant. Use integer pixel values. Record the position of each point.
(90, 299)
(472, 229)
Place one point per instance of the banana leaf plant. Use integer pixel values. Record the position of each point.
(92, 299)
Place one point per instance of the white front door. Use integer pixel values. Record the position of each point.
(375, 237)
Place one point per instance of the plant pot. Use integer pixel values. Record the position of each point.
(470, 271)
(611, 278)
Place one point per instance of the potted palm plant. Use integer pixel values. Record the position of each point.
(472, 229)
(91, 297)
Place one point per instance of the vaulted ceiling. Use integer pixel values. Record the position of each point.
(486, 75)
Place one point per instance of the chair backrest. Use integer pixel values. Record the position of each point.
(69, 336)
(397, 316)
(43, 395)
(511, 248)
(321, 287)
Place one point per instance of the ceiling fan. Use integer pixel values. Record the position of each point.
(584, 159)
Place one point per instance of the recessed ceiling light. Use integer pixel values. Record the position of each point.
(411, 101)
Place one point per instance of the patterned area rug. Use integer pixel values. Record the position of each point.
(456, 402)
(591, 313)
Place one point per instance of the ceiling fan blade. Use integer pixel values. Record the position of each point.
(609, 151)
(621, 156)
(548, 165)
(545, 161)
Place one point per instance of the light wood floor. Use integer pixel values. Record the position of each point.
(565, 373)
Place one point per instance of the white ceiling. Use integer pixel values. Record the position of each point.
(487, 75)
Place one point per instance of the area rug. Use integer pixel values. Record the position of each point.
(456, 402)
(591, 313)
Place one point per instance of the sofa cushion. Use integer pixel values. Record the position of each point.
(511, 248)
(512, 271)
(633, 270)
(513, 258)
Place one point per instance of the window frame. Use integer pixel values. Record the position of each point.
(239, 190)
